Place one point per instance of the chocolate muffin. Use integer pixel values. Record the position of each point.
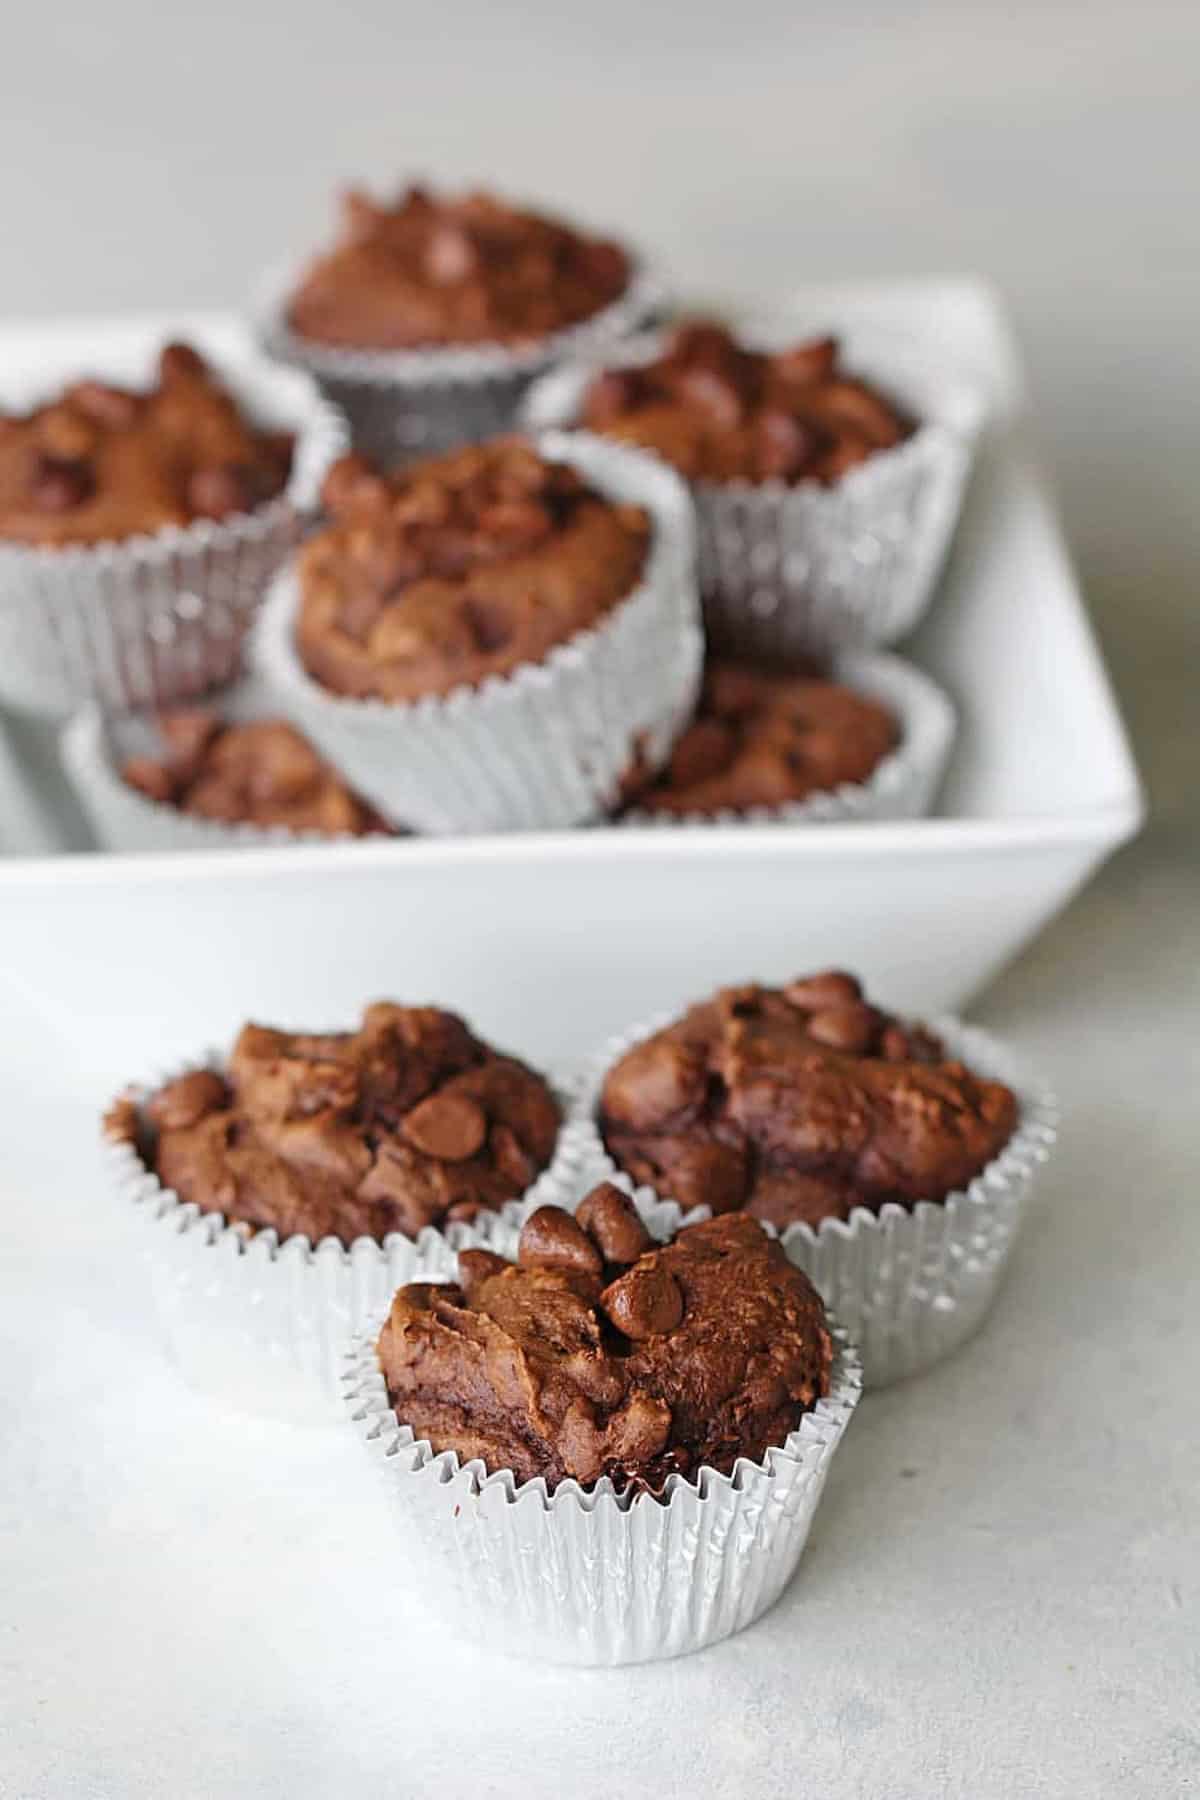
(800, 1103)
(768, 738)
(100, 463)
(263, 773)
(409, 1121)
(458, 568)
(600, 1353)
(720, 411)
(445, 269)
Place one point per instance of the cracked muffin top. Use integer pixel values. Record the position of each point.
(409, 1121)
(719, 411)
(600, 1352)
(458, 568)
(444, 269)
(762, 737)
(101, 463)
(263, 772)
(799, 1104)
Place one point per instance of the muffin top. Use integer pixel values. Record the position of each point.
(452, 269)
(765, 738)
(457, 568)
(264, 772)
(800, 1103)
(409, 1121)
(721, 412)
(102, 463)
(600, 1353)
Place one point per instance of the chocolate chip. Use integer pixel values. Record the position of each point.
(113, 407)
(219, 490)
(552, 1239)
(803, 364)
(61, 483)
(475, 1266)
(645, 1301)
(450, 255)
(185, 1101)
(611, 1220)
(179, 362)
(516, 525)
(352, 485)
(704, 750)
(450, 1126)
(850, 1028)
(815, 993)
(713, 394)
(782, 445)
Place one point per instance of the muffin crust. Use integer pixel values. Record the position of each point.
(263, 772)
(719, 411)
(103, 463)
(764, 738)
(446, 269)
(800, 1103)
(409, 1121)
(458, 568)
(601, 1354)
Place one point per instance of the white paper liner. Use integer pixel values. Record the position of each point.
(909, 1286)
(262, 1325)
(593, 1576)
(787, 571)
(546, 746)
(903, 786)
(403, 403)
(93, 746)
(154, 619)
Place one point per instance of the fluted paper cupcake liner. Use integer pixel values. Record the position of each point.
(404, 403)
(262, 1324)
(903, 786)
(154, 619)
(595, 1576)
(794, 570)
(94, 744)
(547, 745)
(909, 1286)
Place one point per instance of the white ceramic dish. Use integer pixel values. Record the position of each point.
(553, 940)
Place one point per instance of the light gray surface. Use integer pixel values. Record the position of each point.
(1003, 1589)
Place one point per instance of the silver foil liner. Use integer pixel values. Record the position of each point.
(903, 786)
(909, 1286)
(262, 1324)
(788, 571)
(594, 1576)
(546, 746)
(154, 619)
(93, 746)
(405, 403)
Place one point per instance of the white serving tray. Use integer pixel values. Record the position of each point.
(551, 941)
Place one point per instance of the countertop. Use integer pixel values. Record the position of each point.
(1001, 1597)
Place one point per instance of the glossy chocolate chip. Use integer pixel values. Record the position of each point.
(552, 1239)
(449, 1126)
(815, 993)
(611, 1220)
(645, 1301)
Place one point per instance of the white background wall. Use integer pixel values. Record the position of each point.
(150, 156)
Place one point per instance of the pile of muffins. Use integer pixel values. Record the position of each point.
(601, 1334)
(451, 541)
(458, 543)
